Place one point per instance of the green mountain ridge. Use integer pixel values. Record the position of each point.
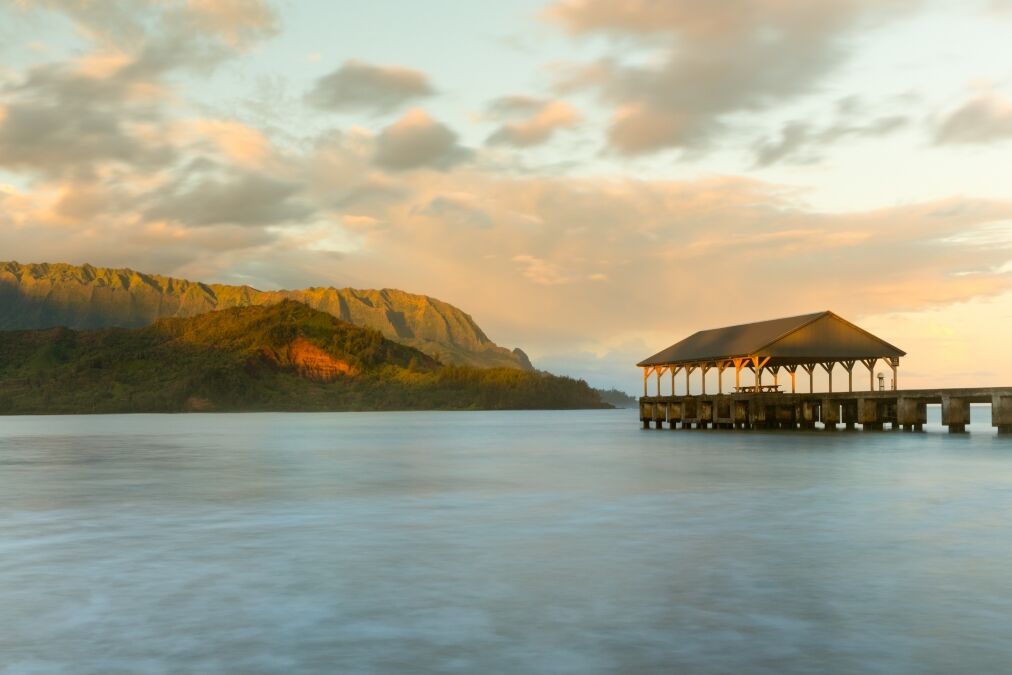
(280, 357)
(47, 295)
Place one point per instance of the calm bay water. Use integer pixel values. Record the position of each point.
(555, 542)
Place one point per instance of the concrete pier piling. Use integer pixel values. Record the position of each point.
(1001, 411)
(829, 413)
(872, 413)
(809, 414)
(911, 413)
(955, 413)
(871, 410)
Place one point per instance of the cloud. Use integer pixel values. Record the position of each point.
(804, 142)
(359, 86)
(100, 136)
(541, 120)
(242, 198)
(516, 104)
(113, 104)
(209, 28)
(49, 138)
(157, 37)
(341, 177)
(986, 118)
(709, 61)
(237, 23)
(31, 229)
(242, 144)
(416, 141)
(62, 119)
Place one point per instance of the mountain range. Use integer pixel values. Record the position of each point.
(47, 295)
(279, 357)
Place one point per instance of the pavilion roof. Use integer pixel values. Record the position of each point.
(821, 336)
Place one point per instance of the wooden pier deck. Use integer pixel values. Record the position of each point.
(872, 410)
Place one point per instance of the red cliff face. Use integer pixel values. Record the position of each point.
(315, 364)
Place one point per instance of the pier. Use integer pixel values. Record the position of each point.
(872, 410)
(780, 348)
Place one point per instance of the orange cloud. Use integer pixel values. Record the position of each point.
(546, 117)
(241, 144)
(237, 22)
(102, 64)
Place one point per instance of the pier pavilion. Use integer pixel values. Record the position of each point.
(780, 347)
(810, 341)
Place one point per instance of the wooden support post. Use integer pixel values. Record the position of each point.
(828, 367)
(674, 371)
(758, 363)
(793, 370)
(894, 363)
(703, 369)
(659, 370)
(849, 365)
(688, 371)
(721, 367)
(870, 365)
(810, 369)
(737, 372)
(776, 375)
(646, 376)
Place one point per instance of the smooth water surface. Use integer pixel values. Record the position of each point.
(528, 542)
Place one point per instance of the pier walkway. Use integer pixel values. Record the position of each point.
(872, 410)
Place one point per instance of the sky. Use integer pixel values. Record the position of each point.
(592, 180)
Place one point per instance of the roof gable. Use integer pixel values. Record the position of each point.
(829, 337)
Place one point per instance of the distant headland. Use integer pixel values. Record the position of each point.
(285, 356)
